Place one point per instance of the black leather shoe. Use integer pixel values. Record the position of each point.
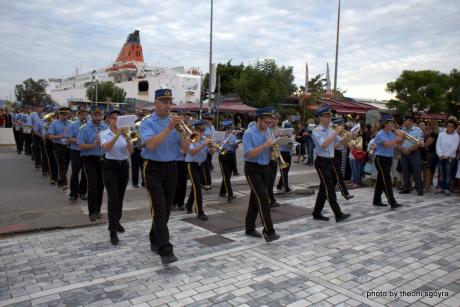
(342, 217)
(222, 194)
(83, 197)
(166, 259)
(320, 217)
(347, 197)
(279, 188)
(92, 217)
(236, 174)
(136, 186)
(379, 204)
(287, 190)
(189, 211)
(230, 198)
(420, 193)
(202, 217)
(120, 228)
(404, 192)
(395, 206)
(98, 215)
(272, 237)
(72, 199)
(180, 208)
(275, 204)
(254, 233)
(114, 238)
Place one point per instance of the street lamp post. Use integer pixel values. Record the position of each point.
(337, 49)
(210, 57)
(95, 82)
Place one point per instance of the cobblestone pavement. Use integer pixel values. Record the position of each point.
(406, 257)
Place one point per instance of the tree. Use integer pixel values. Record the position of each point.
(317, 88)
(228, 74)
(105, 90)
(265, 84)
(31, 92)
(420, 91)
(453, 95)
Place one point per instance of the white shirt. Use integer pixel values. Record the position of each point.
(447, 144)
(119, 150)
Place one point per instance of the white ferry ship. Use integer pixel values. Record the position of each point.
(130, 73)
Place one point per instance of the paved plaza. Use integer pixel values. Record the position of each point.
(405, 257)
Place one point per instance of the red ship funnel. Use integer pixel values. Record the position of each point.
(131, 50)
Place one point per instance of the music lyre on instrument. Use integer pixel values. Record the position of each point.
(276, 153)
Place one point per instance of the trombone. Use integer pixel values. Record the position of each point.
(276, 153)
(184, 131)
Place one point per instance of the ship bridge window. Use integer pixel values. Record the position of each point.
(143, 86)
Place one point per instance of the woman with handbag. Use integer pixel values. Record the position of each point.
(357, 158)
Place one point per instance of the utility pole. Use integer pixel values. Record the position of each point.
(337, 49)
(210, 58)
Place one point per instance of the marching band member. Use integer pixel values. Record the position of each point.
(89, 142)
(35, 121)
(78, 188)
(273, 168)
(162, 144)
(226, 161)
(195, 159)
(339, 147)
(49, 154)
(115, 171)
(411, 161)
(17, 130)
(136, 160)
(324, 138)
(283, 182)
(257, 151)
(385, 141)
(181, 186)
(208, 167)
(57, 133)
(27, 134)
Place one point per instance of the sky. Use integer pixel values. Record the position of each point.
(378, 39)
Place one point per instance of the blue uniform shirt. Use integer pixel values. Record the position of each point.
(169, 149)
(200, 156)
(58, 127)
(319, 135)
(36, 122)
(229, 145)
(87, 134)
(253, 138)
(381, 137)
(72, 132)
(209, 130)
(414, 132)
(119, 150)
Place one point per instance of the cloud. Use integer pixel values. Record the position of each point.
(378, 39)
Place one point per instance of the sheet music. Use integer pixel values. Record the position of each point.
(126, 121)
(284, 140)
(218, 137)
(284, 132)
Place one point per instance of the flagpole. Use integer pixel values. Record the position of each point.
(337, 49)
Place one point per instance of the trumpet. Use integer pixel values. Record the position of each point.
(185, 132)
(343, 133)
(276, 153)
(407, 137)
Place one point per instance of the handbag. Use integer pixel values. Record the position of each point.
(358, 154)
(368, 168)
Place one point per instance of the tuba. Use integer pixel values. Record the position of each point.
(185, 132)
(276, 153)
